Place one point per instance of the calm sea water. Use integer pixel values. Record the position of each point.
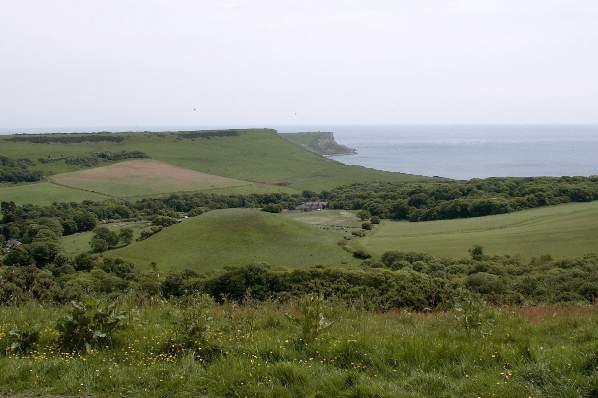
(464, 152)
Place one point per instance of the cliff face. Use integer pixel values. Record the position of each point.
(321, 142)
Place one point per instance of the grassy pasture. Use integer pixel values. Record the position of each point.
(258, 155)
(143, 177)
(237, 237)
(44, 193)
(567, 230)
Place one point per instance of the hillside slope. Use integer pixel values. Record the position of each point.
(257, 155)
(236, 237)
(567, 230)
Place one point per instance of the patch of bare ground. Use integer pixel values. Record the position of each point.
(146, 176)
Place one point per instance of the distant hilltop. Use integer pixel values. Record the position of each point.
(321, 142)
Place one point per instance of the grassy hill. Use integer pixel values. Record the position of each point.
(237, 237)
(258, 156)
(562, 231)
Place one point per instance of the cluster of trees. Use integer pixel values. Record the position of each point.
(461, 199)
(105, 239)
(29, 223)
(18, 170)
(66, 138)
(400, 280)
(96, 158)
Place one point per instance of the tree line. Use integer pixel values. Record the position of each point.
(62, 138)
(400, 280)
(461, 199)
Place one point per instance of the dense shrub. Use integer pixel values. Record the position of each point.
(20, 340)
(87, 325)
(103, 239)
(147, 232)
(272, 208)
(192, 332)
(361, 254)
(18, 170)
(164, 221)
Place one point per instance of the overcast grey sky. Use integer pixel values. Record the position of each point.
(76, 63)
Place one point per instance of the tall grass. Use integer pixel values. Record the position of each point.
(361, 354)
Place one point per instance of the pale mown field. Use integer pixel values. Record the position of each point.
(562, 231)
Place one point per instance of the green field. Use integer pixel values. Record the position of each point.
(237, 237)
(562, 231)
(260, 156)
(44, 193)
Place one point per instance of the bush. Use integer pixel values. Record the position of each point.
(164, 221)
(20, 340)
(272, 208)
(103, 239)
(363, 215)
(197, 211)
(361, 254)
(125, 236)
(473, 314)
(477, 252)
(19, 257)
(312, 320)
(367, 226)
(485, 283)
(147, 232)
(191, 332)
(83, 262)
(88, 325)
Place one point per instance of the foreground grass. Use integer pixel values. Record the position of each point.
(234, 237)
(541, 352)
(562, 231)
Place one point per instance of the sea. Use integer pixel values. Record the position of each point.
(473, 151)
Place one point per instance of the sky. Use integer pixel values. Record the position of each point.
(146, 63)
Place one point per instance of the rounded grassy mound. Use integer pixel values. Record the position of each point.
(235, 237)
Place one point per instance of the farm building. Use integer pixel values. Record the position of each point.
(11, 244)
(311, 206)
